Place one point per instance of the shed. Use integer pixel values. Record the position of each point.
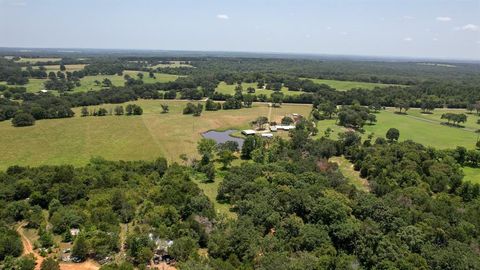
(273, 128)
(248, 132)
(267, 135)
(282, 127)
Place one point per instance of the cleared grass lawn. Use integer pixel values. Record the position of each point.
(224, 88)
(40, 59)
(437, 114)
(347, 85)
(423, 130)
(75, 140)
(472, 174)
(414, 126)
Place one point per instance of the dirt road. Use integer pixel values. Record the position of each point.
(28, 249)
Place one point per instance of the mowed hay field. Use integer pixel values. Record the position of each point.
(76, 140)
(347, 85)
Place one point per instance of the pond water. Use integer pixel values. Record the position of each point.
(223, 136)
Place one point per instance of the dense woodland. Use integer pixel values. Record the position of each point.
(293, 207)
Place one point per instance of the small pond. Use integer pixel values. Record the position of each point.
(223, 136)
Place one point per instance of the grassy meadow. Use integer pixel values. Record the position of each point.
(88, 82)
(34, 60)
(75, 140)
(472, 174)
(423, 128)
(347, 85)
(172, 64)
(55, 68)
(224, 88)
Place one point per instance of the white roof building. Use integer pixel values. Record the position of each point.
(74, 232)
(267, 135)
(281, 127)
(247, 132)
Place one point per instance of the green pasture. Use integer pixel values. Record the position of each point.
(146, 137)
(422, 128)
(224, 88)
(347, 85)
(88, 82)
(36, 60)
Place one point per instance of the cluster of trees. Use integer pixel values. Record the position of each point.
(355, 116)
(160, 201)
(455, 118)
(38, 107)
(61, 82)
(130, 109)
(191, 108)
(209, 149)
(210, 105)
(12, 73)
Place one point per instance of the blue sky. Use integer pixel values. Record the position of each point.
(410, 28)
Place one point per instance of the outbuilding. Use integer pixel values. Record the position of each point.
(248, 132)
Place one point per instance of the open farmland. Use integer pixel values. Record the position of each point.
(224, 88)
(88, 82)
(39, 59)
(55, 68)
(75, 140)
(347, 85)
(422, 128)
(172, 64)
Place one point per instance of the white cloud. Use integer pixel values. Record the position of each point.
(408, 17)
(408, 39)
(343, 33)
(328, 28)
(223, 17)
(468, 27)
(435, 39)
(443, 19)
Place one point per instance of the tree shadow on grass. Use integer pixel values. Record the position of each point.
(452, 125)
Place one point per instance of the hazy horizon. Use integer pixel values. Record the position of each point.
(374, 28)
